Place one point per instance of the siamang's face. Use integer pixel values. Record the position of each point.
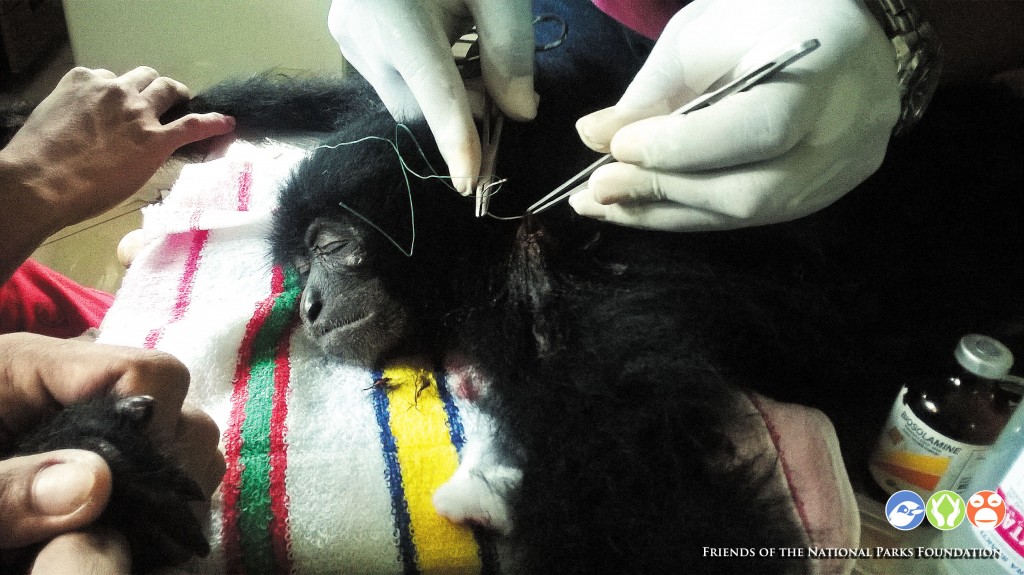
(346, 307)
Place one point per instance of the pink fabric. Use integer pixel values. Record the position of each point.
(648, 17)
(39, 300)
(813, 469)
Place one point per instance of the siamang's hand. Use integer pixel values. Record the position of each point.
(62, 491)
(403, 48)
(779, 151)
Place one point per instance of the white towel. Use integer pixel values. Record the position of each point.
(327, 472)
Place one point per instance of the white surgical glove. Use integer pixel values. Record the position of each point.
(403, 48)
(779, 151)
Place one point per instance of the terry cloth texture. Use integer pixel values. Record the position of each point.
(330, 467)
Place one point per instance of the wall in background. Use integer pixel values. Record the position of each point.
(202, 41)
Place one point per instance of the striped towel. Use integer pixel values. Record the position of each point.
(328, 470)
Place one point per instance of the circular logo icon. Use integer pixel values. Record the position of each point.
(986, 509)
(904, 510)
(945, 509)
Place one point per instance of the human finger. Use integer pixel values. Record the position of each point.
(437, 87)
(139, 78)
(46, 494)
(41, 374)
(506, 41)
(162, 92)
(663, 215)
(804, 180)
(196, 127)
(84, 552)
(760, 124)
(163, 377)
(80, 72)
(358, 27)
(408, 61)
(683, 64)
(196, 449)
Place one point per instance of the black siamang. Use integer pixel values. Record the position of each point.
(613, 361)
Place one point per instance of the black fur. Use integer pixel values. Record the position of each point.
(150, 496)
(12, 118)
(617, 356)
(315, 104)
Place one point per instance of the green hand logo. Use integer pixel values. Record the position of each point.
(945, 510)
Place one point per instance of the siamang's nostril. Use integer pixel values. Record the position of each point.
(311, 305)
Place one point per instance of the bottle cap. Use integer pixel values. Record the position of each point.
(984, 356)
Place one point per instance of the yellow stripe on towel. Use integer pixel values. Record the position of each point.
(427, 459)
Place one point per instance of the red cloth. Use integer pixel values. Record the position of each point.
(39, 300)
(647, 17)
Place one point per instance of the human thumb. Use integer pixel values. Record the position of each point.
(47, 494)
(657, 89)
(596, 129)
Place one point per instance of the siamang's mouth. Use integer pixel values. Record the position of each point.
(349, 324)
(341, 328)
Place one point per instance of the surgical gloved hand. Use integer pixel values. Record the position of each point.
(779, 151)
(403, 48)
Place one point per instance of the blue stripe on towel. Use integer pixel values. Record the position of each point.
(484, 540)
(393, 474)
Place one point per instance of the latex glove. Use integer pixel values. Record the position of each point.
(779, 151)
(403, 48)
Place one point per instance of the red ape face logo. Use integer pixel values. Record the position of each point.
(986, 509)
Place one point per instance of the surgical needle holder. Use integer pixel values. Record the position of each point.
(748, 80)
(466, 51)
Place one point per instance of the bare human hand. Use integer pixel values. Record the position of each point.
(89, 145)
(43, 496)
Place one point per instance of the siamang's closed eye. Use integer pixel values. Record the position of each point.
(338, 243)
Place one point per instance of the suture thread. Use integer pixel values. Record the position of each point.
(406, 170)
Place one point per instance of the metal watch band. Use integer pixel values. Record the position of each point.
(918, 56)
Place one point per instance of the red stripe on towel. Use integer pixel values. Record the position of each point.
(281, 536)
(245, 187)
(188, 277)
(199, 238)
(230, 488)
(183, 295)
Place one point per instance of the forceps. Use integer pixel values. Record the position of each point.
(751, 78)
(491, 135)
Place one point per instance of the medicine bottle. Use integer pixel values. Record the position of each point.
(940, 428)
(998, 548)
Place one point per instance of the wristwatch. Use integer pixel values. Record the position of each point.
(918, 56)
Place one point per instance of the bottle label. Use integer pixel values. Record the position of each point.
(912, 455)
(1008, 536)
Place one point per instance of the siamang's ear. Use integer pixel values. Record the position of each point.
(271, 102)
